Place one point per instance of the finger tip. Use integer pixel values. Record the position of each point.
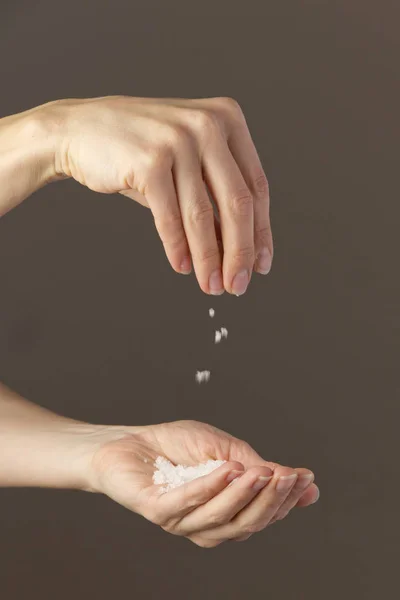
(262, 272)
(309, 497)
(317, 494)
(263, 261)
(185, 267)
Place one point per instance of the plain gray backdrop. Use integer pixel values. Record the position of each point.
(94, 323)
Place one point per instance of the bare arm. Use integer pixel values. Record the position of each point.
(165, 154)
(39, 448)
(155, 152)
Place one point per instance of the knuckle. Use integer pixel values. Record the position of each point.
(201, 212)
(178, 138)
(215, 520)
(208, 254)
(261, 186)
(192, 500)
(263, 235)
(172, 244)
(242, 203)
(230, 105)
(170, 219)
(170, 230)
(251, 528)
(244, 254)
(155, 161)
(244, 448)
(204, 122)
(207, 491)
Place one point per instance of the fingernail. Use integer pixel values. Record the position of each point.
(215, 283)
(264, 261)
(240, 283)
(186, 266)
(286, 482)
(318, 495)
(233, 475)
(261, 483)
(304, 481)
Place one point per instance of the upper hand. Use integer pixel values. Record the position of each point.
(165, 154)
(207, 511)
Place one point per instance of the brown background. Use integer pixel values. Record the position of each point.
(94, 323)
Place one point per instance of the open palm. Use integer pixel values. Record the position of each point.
(207, 510)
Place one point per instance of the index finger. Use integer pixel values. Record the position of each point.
(168, 508)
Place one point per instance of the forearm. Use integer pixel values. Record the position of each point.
(41, 449)
(27, 149)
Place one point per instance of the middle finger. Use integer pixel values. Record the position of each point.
(235, 205)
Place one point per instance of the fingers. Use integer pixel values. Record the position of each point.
(221, 509)
(246, 156)
(170, 508)
(257, 514)
(209, 140)
(230, 503)
(304, 481)
(235, 206)
(199, 223)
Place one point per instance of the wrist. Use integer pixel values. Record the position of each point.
(48, 452)
(39, 448)
(73, 449)
(28, 143)
(71, 446)
(29, 137)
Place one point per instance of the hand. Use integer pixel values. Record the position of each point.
(208, 511)
(165, 154)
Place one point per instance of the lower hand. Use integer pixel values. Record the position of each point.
(207, 511)
(167, 154)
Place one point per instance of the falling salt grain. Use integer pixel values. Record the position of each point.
(211, 312)
(202, 376)
(218, 337)
(224, 332)
(171, 476)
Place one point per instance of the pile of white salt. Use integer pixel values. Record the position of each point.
(171, 476)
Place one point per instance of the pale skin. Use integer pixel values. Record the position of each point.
(164, 154)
